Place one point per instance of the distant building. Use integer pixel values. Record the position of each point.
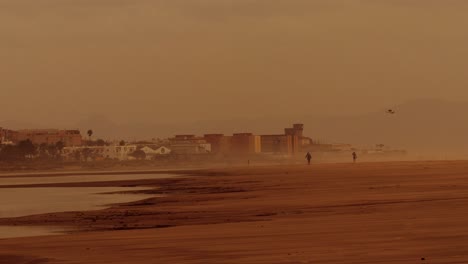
(119, 152)
(296, 130)
(99, 152)
(193, 148)
(7, 136)
(306, 141)
(277, 144)
(150, 150)
(239, 144)
(242, 144)
(219, 142)
(69, 138)
(245, 144)
(290, 143)
(189, 144)
(342, 147)
(154, 151)
(296, 133)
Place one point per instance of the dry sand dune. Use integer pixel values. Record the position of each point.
(399, 212)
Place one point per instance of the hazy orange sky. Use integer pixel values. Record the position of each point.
(181, 60)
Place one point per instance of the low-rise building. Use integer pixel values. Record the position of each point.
(7, 136)
(155, 151)
(189, 144)
(99, 152)
(191, 148)
(69, 138)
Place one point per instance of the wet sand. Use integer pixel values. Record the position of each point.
(398, 212)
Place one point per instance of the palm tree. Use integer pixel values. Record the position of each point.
(90, 133)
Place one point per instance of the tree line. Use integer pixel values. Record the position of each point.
(25, 150)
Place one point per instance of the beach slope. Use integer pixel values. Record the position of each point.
(396, 212)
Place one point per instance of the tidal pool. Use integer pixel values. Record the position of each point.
(18, 201)
(15, 202)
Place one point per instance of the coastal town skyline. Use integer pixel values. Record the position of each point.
(410, 128)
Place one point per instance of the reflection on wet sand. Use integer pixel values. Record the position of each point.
(17, 202)
(29, 231)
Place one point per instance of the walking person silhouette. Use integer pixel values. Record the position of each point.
(308, 157)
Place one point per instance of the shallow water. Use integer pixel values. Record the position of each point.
(29, 231)
(80, 178)
(17, 202)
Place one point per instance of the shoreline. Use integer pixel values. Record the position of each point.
(182, 177)
(96, 172)
(271, 214)
(96, 168)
